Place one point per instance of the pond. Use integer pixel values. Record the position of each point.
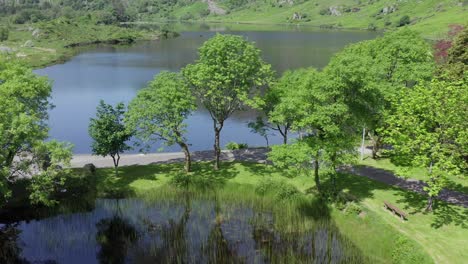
(115, 74)
(180, 230)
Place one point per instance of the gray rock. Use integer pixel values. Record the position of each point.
(334, 11)
(90, 169)
(296, 16)
(36, 33)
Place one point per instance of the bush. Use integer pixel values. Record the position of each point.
(324, 12)
(187, 16)
(353, 208)
(280, 190)
(372, 27)
(404, 20)
(234, 146)
(4, 33)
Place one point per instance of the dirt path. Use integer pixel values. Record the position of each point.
(260, 155)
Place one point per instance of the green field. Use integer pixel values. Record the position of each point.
(440, 235)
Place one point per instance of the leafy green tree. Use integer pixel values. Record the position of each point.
(158, 112)
(109, 132)
(372, 74)
(429, 128)
(326, 122)
(259, 127)
(24, 105)
(281, 115)
(225, 78)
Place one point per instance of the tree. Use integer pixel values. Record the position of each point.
(225, 78)
(281, 114)
(259, 127)
(372, 74)
(24, 105)
(109, 132)
(158, 112)
(326, 121)
(429, 129)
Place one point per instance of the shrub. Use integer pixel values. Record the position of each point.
(187, 16)
(324, 12)
(234, 146)
(280, 190)
(372, 27)
(353, 208)
(4, 33)
(404, 20)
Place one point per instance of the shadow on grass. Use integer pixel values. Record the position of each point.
(410, 201)
(202, 175)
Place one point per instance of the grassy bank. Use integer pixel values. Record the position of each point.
(375, 231)
(45, 43)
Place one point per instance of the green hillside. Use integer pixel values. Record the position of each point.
(429, 17)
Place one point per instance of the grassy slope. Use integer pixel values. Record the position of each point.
(429, 17)
(442, 235)
(50, 46)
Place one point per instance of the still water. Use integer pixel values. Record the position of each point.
(115, 74)
(194, 231)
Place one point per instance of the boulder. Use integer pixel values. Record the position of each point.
(296, 16)
(89, 169)
(334, 11)
(36, 33)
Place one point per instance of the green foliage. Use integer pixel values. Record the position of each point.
(108, 131)
(24, 105)
(4, 33)
(226, 77)
(259, 127)
(234, 146)
(404, 20)
(429, 129)
(295, 158)
(159, 110)
(280, 190)
(458, 53)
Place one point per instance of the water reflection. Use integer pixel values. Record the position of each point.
(171, 231)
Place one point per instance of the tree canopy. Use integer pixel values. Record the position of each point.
(158, 112)
(228, 73)
(24, 105)
(108, 132)
(429, 128)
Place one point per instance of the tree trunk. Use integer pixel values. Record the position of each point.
(333, 175)
(188, 159)
(284, 133)
(116, 160)
(316, 173)
(375, 144)
(430, 204)
(217, 147)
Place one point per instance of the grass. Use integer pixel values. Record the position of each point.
(440, 235)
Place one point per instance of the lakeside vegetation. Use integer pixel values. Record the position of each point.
(413, 105)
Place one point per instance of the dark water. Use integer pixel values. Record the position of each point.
(194, 231)
(115, 74)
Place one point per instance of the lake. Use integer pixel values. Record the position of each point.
(115, 74)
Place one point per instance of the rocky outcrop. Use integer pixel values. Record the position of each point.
(28, 44)
(334, 11)
(388, 10)
(214, 8)
(296, 16)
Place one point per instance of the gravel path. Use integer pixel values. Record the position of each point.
(259, 155)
